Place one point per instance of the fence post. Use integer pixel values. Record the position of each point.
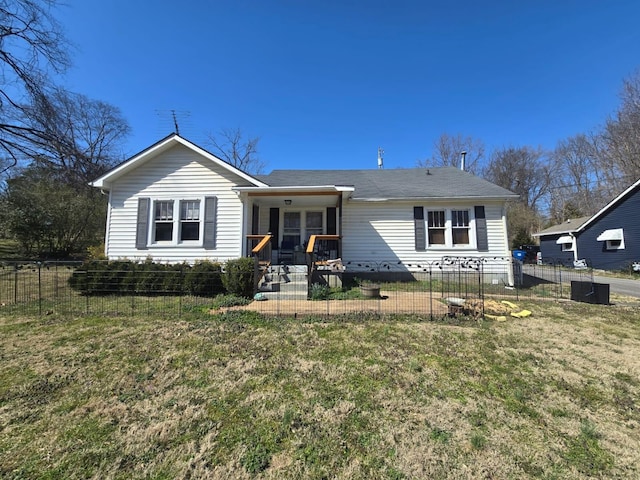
(39, 288)
(431, 292)
(181, 291)
(15, 284)
(86, 290)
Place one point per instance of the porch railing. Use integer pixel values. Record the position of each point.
(322, 251)
(260, 248)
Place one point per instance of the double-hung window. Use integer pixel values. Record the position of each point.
(189, 220)
(437, 227)
(169, 228)
(450, 228)
(460, 227)
(163, 221)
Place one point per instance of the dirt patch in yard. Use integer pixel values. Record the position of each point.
(390, 302)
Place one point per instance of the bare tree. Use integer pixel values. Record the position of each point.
(621, 135)
(82, 137)
(577, 187)
(447, 151)
(31, 46)
(523, 170)
(231, 146)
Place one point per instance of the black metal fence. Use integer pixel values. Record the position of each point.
(41, 288)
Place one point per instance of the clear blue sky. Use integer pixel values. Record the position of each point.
(324, 84)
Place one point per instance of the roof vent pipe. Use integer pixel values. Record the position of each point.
(380, 160)
(462, 155)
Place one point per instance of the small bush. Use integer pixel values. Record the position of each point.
(319, 291)
(204, 279)
(96, 252)
(148, 277)
(238, 277)
(225, 301)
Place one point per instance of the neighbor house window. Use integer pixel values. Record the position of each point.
(613, 239)
(189, 220)
(460, 227)
(163, 221)
(566, 243)
(437, 225)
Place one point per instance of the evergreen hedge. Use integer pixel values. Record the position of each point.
(96, 277)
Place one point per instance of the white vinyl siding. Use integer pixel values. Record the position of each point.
(385, 233)
(178, 174)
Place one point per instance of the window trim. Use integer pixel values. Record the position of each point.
(609, 244)
(566, 247)
(177, 221)
(155, 221)
(182, 221)
(436, 229)
(448, 228)
(466, 227)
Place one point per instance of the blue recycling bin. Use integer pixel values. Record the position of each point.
(519, 255)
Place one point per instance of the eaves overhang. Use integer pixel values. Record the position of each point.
(104, 182)
(610, 205)
(433, 199)
(294, 190)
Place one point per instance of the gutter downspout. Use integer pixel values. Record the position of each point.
(510, 277)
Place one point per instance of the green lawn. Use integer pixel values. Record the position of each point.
(551, 396)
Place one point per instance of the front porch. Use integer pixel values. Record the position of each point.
(291, 216)
(294, 274)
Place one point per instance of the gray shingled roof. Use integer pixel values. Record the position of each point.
(568, 226)
(440, 182)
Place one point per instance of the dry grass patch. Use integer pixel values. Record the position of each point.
(554, 395)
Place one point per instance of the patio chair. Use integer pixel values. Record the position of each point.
(285, 253)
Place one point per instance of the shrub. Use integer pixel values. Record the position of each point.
(147, 278)
(204, 279)
(238, 277)
(225, 301)
(319, 291)
(96, 252)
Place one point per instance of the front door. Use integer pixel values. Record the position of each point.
(291, 233)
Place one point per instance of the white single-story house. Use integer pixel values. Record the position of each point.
(608, 240)
(176, 202)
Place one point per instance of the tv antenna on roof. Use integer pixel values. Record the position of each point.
(172, 119)
(175, 121)
(380, 159)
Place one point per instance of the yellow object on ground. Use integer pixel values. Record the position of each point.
(497, 318)
(509, 304)
(521, 314)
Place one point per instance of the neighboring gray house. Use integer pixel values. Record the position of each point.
(558, 243)
(176, 202)
(609, 240)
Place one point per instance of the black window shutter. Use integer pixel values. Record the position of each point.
(209, 237)
(481, 229)
(274, 225)
(331, 221)
(255, 220)
(419, 228)
(142, 225)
